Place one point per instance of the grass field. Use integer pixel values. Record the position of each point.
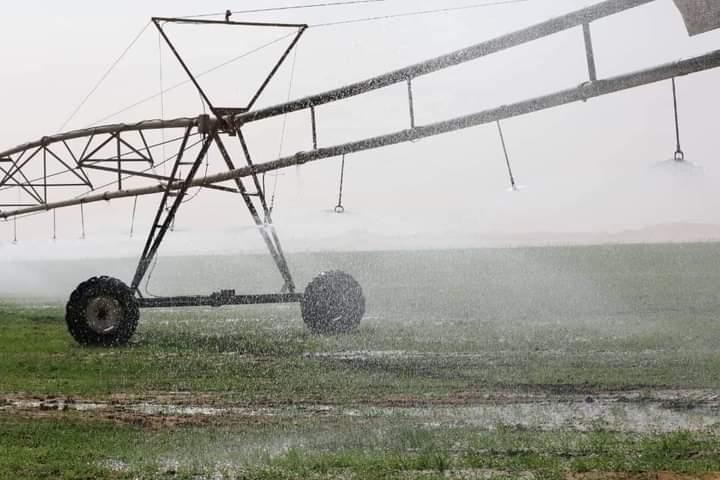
(533, 363)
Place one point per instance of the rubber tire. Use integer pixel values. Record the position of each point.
(76, 310)
(333, 303)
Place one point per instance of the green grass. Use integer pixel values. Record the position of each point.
(81, 449)
(549, 320)
(51, 449)
(259, 358)
(265, 354)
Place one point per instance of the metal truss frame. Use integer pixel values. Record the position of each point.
(230, 122)
(220, 112)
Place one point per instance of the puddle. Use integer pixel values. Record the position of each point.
(642, 476)
(115, 465)
(370, 355)
(571, 416)
(637, 411)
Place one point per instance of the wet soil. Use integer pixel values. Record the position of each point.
(641, 410)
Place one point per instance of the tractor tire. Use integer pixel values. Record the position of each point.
(333, 303)
(102, 312)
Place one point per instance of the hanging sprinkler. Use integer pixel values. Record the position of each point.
(339, 207)
(15, 240)
(82, 221)
(514, 187)
(54, 237)
(679, 154)
(274, 191)
(132, 219)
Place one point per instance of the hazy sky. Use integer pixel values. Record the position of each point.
(587, 167)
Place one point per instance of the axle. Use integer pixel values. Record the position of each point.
(219, 299)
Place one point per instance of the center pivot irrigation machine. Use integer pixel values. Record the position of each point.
(105, 311)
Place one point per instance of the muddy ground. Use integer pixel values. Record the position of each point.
(636, 411)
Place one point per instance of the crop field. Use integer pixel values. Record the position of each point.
(565, 362)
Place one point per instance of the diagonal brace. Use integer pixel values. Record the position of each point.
(160, 227)
(275, 250)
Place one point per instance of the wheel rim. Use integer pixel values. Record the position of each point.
(104, 314)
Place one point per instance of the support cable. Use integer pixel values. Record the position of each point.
(151, 270)
(283, 131)
(289, 92)
(289, 7)
(319, 25)
(104, 77)
(274, 192)
(418, 13)
(15, 223)
(201, 74)
(162, 98)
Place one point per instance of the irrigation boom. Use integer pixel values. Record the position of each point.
(583, 92)
(333, 302)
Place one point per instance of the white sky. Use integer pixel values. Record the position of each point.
(592, 167)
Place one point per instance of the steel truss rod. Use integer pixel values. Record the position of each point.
(103, 130)
(227, 22)
(583, 92)
(157, 177)
(17, 167)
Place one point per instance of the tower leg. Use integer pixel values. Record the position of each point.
(164, 216)
(267, 230)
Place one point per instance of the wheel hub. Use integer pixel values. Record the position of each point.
(104, 314)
